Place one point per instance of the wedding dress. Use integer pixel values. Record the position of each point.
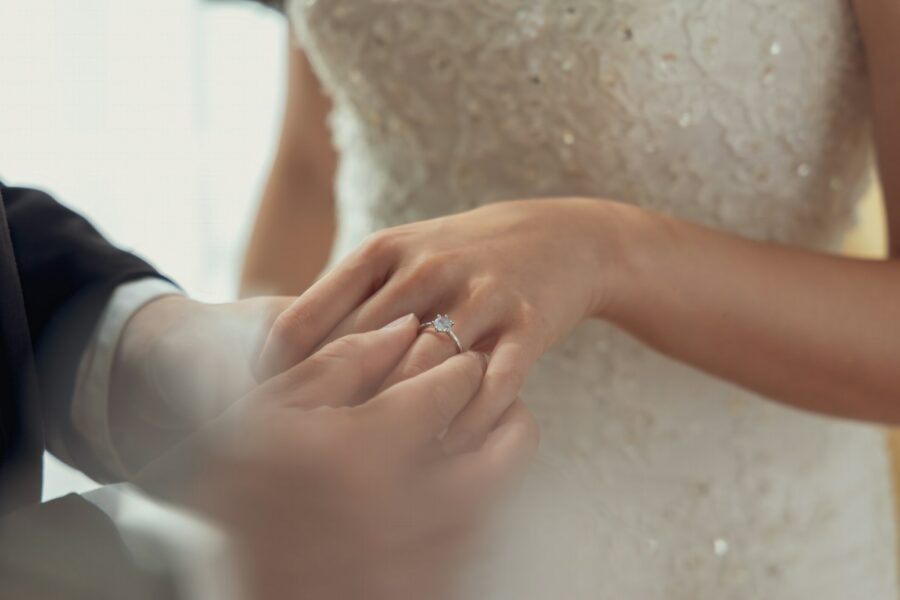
(654, 481)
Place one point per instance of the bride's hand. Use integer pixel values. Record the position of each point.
(514, 276)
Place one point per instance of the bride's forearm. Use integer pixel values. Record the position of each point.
(295, 225)
(293, 234)
(815, 331)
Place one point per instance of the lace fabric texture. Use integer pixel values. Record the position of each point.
(654, 480)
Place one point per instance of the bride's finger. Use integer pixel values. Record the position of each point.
(419, 288)
(402, 295)
(509, 364)
(471, 327)
(305, 323)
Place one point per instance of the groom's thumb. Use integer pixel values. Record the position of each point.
(351, 369)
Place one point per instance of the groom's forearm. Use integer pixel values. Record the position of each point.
(152, 404)
(105, 403)
(178, 364)
(68, 273)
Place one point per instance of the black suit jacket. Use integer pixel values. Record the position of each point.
(56, 275)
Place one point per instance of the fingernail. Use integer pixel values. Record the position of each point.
(398, 322)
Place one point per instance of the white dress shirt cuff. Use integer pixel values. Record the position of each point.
(90, 403)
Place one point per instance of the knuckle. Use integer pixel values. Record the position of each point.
(287, 327)
(532, 317)
(485, 290)
(377, 245)
(528, 313)
(429, 269)
(486, 279)
(358, 266)
(534, 321)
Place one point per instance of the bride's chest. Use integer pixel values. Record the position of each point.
(534, 42)
(429, 63)
(703, 104)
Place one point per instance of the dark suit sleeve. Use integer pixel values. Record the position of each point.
(68, 549)
(68, 272)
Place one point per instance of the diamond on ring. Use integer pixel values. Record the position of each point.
(444, 324)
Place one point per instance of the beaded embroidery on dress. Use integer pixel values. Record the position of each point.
(654, 481)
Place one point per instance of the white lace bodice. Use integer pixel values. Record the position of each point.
(654, 480)
(744, 114)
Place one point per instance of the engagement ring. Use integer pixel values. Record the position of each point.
(444, 324)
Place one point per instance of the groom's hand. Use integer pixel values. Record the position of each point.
(179, 364)
(333, 490)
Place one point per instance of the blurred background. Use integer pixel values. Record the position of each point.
(157, 119)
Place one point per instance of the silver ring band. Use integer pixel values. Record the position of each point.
(443, 324)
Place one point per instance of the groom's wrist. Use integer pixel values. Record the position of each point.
(142, 422)
(91, 400)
